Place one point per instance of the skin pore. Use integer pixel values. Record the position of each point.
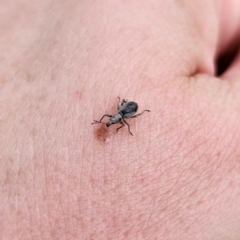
(63, 64)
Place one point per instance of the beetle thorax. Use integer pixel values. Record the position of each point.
(116, 118)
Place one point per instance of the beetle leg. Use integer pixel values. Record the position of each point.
(128, 126)
(123, 101)
(118, 106)
(140, 114)
(122, 123)
(105, 115)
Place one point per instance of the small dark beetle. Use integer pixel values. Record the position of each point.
(126, 110)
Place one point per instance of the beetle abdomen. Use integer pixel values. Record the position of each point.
(128, 109)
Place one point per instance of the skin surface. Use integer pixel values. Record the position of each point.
(63, 64)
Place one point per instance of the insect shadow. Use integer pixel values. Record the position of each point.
(125, 110)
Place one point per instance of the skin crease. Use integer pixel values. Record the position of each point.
(63, 64)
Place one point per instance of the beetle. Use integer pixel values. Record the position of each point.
(125, 110)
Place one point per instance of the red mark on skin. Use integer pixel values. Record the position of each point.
(77, 95)
(101, 133)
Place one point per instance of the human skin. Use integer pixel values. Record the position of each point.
(63, 64)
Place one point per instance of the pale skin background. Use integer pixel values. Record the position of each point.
(63, 64)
